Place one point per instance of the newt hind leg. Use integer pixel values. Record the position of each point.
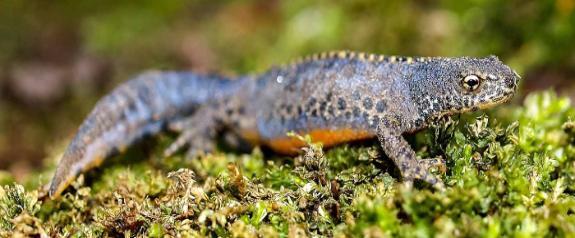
(397, 148)
(197, 133)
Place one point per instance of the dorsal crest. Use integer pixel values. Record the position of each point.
(352, 55)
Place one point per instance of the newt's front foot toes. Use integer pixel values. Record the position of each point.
(427, 165)
(421, 171)
(439, 186)
(434, 163)
(433, 180)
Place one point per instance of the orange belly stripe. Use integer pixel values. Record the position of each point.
(289, 145)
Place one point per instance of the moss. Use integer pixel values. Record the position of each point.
(18, 208)
(511, 173)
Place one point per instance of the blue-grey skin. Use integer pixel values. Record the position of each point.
(373, 95)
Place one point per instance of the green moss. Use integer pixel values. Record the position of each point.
(508, 174)
(18, 208)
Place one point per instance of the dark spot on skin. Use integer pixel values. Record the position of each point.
(229, 111)
(330, 110)
(380, 106)
(417, 170)
(365, 115)
(418, 122)
(443, 104)
(236, 123)
(367, 103)
(341, 104)
(509, 82)
(356, 95)
(311, 103)
(329, 63)
(404, 166)
(143, 95)
(328, 96)
(291, 87)
(132, 107)
(322, 106)
(375, 120)
(314, 112)
(386, 122)
(348, 114)
(356, 112)
(288, 109)
(299, 110)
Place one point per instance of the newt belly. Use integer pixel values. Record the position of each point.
(291, 145)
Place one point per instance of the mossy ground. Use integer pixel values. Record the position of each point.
(511, 173)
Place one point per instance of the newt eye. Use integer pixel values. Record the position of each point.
(471, 82)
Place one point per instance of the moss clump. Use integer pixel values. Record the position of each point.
(19, 209)
(510, 173)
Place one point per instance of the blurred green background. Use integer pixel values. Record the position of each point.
(58, 58)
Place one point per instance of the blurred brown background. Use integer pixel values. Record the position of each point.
(58, 58)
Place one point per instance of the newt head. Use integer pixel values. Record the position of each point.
(456, 85)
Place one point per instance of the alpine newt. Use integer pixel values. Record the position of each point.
(334, 97)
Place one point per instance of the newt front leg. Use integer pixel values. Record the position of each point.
(397, 148)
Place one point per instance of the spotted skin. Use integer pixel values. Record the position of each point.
(334, 97)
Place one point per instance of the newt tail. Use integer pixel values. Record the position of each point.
(140, 107)
(334, 97)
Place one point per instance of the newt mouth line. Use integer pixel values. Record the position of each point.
(496, 101)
